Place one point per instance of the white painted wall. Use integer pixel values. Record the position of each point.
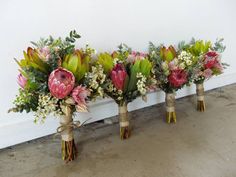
(104, 24)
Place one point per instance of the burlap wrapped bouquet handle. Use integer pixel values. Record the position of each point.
(200, 97)
(170, 107)
(68, 147)
(124, 122)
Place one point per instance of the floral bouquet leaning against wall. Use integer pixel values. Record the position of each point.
(173, 70)
(208, 63)
(127, 76)
(51, 82)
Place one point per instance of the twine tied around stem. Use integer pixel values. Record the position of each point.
(67, 125)
(66, 130)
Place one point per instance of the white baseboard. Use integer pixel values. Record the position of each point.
(22, 131)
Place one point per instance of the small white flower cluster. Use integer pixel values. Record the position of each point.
(116, 61)
(110, 87)
(113, 90)
(165, 68)
(141, 84)
(22, 98)
(88, 50)
(96, 78)
(47, 104)
(186, 59)
(120, 96)
(200, 78)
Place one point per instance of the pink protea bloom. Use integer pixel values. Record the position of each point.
(207, 73)
(212, 54)
(80, 94)
(61, 82)
(177, 78)
(210, 63)
(212, 59)
(118, 75)
(21, 80)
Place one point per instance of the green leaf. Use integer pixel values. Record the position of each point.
(133, 76)
(126, 84)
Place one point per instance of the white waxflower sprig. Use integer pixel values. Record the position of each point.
(186, 59)
(96, 78)
(141, 83)
(89, 51)
(116, 61)
(47, 104)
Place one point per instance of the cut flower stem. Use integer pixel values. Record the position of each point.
(68, 147)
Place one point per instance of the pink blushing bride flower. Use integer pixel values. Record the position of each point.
(61, 82)
(44, 53)
(177, 78)
(21, 80)
(172, 65)
(80, 94)
(118, 75)
(219, 67)
(131, 58)
(207, 73)
(133, 53)
(134, 56)
(197, 73)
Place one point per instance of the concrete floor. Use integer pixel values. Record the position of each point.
(199, 145)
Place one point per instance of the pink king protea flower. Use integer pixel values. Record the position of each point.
(118, 75)
(21, 80)
(61, 82)
(80, 94)
(177, 78)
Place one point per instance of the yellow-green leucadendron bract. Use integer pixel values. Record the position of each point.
(77, 63)
(200, 47)
(106, 60)
(167, 54)
(32, 59)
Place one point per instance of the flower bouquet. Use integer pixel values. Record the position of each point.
(208, 64)
(173, 70)
(51, 82)
(127, 76)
